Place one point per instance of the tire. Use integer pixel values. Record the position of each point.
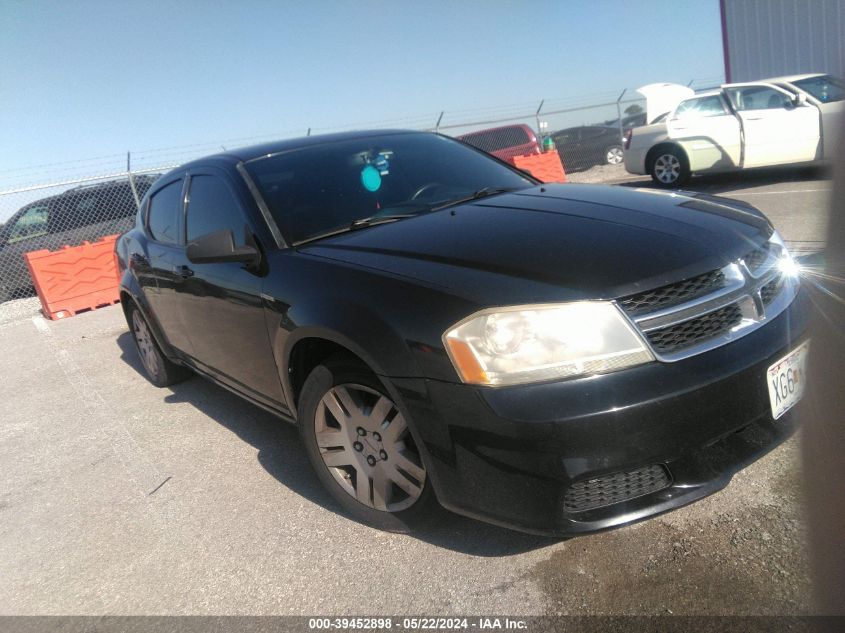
(159, 370)
(354, 433)
(669, 167)
(613, 155)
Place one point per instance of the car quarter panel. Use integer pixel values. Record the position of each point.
(642, 140)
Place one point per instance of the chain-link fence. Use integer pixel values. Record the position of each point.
(588, 138)
(586, 131)
(52, 215)
(88, 199)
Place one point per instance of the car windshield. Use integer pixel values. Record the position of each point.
(825, 88)
(315, 190)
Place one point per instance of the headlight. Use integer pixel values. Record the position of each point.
(508, 346)
(786, 264)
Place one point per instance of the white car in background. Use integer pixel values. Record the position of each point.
(784, 120)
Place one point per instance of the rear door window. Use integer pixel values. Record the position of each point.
(116, 202)
(165, 213)
(75, 211)
(700, 107)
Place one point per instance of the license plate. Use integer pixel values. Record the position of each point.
(787, 379)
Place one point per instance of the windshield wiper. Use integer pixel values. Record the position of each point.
(476, 195)
(355, 225)
(374, 220)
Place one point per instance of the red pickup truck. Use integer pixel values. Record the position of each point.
(504, 142)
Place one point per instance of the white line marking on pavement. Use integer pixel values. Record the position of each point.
(145, 475)
(41, 325)
(772, 193)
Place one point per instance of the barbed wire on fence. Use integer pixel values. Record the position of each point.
(450, 119)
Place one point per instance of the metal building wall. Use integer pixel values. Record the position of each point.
(766, 38)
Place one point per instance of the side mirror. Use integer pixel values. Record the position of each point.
(220, 247)
(799, 100)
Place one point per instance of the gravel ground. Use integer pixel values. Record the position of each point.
(601, 174)
(120, 498)
(18, 309)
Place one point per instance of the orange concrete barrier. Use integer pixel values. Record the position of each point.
(546, 167)
(75, 279)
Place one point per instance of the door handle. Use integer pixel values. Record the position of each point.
(184, 272)
(754, 118)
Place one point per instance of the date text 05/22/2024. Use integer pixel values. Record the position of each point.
(417, 623)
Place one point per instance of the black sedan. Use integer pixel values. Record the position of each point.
(588, 145)
(443, 329)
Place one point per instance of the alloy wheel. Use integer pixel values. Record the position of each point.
(667, 168)
(614, 156)
(146, 347)
(366, 446)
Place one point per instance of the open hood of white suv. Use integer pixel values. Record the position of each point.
(662, 98)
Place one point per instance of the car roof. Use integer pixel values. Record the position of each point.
(84, 189)
(243, 154)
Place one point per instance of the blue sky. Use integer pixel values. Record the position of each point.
(83, 79)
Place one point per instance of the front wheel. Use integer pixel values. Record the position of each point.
(361, 448)
(670, 168)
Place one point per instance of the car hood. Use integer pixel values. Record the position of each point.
(557, 243)
(663, 98)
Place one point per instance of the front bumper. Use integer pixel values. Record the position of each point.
(509, 455)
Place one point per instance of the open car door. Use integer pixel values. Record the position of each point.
(777, 128)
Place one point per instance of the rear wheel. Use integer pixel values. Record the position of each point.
(613, 155)
(361, 447)
(160, 371)
(669, 167)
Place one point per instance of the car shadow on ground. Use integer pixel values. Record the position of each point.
(281, 454)
(731, 181)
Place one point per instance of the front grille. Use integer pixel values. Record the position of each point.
(614, 488)
(704, 312)
(756, 258)
(673, 294)
(677, 337)
(771, 290)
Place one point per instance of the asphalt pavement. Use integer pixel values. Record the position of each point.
(121, 498)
